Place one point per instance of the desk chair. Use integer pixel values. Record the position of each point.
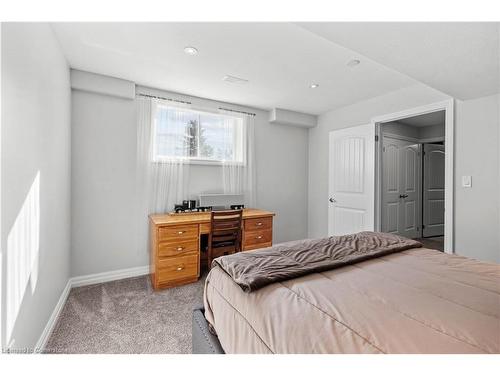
(225, 234)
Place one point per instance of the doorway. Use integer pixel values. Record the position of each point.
(355, 175)
(412, 177)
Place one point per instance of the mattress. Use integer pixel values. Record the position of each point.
(414, 301)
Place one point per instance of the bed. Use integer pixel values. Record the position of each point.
(406, 300)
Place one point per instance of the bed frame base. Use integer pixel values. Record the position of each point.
(204, 342)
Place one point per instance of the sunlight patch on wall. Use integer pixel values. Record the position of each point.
(22, 254)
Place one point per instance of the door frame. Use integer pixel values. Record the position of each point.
(448, 107)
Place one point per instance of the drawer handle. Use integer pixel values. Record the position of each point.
(258, 237)
(180, 268)
(180, 248)
(258, 224)
(181, 231)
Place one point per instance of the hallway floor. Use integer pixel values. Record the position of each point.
(436, 243)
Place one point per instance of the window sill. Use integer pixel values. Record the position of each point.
(213, 163)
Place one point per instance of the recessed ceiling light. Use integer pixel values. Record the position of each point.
(352, 63)
(314, 85)
(190, 51)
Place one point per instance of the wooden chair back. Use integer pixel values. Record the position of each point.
(225, 234)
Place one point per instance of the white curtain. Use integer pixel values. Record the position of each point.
(238, 177)
(163, 182)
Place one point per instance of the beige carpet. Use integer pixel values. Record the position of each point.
(126, 316)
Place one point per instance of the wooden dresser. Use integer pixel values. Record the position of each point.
(175, 243)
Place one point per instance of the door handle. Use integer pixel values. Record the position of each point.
(403, 195)
(332, 200)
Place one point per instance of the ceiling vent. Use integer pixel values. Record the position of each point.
(232, 79)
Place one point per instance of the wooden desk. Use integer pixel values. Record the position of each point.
(175, 243)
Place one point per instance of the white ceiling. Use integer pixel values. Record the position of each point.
(429, 119)
(280, 60)
(459, 59)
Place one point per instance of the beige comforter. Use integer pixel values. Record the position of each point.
(414, 301)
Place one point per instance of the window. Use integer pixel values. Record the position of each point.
(197, 136)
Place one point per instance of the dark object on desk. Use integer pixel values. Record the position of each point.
(225, 234)
(237, 206)
(189, 204)
(180, 209)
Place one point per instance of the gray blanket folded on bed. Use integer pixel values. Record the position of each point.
(254, 269)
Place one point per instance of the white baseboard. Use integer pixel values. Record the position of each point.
(103, 277)
(49, 327)
(77, 281)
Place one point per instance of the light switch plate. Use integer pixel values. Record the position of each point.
(466, 181)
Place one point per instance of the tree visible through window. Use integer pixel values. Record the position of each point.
(195, 135)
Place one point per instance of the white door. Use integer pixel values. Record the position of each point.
(351, 180)
(433, 197)
(401, 193)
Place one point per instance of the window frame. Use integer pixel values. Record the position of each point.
(197, 160)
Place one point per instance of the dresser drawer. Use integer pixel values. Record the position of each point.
(177, 232)
(177, 268)
(262, 223)
(177, 248)
(259, 237)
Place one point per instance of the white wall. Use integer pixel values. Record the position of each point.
(35, 218)
(418, 132)
(435, 131)
(103, 167)
(106, 232)
(477, 207)
(396, 128)
(477, 222)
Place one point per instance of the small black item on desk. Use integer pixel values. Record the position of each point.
(189, 204)
(181, 209)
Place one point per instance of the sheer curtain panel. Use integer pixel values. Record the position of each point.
(238, 177)
(163, 180)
